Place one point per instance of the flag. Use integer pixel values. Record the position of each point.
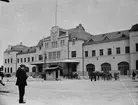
(5, 0)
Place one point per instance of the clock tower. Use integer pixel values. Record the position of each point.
(54, 33)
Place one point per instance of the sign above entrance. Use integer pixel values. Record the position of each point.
(54, 33)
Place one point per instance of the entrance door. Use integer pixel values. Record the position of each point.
(90, 68)
(73, 67)
(106, 67)
(123, 67)
(40, 68)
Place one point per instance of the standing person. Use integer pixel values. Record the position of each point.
(1, 78)
(133, 75)
(21, 82)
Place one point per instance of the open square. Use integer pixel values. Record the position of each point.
(74, 92)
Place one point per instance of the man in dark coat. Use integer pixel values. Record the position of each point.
(21, 82)
(1, 78)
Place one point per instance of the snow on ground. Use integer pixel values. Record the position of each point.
(72, 92)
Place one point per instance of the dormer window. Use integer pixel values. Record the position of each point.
(106, 38)
(40, 48)
(119, 33)
(123, 35)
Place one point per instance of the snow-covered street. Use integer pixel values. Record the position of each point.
(73, 92)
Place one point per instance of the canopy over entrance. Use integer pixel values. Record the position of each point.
(58, 61)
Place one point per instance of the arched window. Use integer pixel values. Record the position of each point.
(106, 67)
(137, 65)
(27, 69)
(34, 69)
(8, 70)
(123, 67)
(90, 67)
(5, 70)
(11, 69)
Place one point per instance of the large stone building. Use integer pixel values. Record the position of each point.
(76, 50)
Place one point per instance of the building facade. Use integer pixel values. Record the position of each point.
(76, 50)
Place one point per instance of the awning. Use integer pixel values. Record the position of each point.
(36, 63)
(56, 61)
(70, 61)
(52, 68)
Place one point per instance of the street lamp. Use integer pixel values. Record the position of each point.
(45, 57)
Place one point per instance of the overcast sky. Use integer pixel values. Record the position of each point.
(28, 21)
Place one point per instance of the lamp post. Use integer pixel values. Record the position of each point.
(44, 66)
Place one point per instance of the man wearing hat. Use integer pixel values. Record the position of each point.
(1, 77)
(21, 82)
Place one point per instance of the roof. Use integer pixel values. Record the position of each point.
(79, 33)
(40, 43)
(17, 48)
(134, 28)
(107, 37)
(31, 49)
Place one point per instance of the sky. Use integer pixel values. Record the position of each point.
(28, 21)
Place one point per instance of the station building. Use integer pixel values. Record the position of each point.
(76, 50)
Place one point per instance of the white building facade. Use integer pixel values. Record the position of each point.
(75, 50)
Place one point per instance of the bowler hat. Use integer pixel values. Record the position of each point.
(22, 65)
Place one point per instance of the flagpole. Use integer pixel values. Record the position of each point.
(56, 14)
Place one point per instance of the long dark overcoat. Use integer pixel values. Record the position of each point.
(21, 77)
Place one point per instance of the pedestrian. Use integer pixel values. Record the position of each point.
(133, 75)
(1, 78)
(21, 82)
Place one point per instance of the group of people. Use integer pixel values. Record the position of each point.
(97, 75)
(22, 77)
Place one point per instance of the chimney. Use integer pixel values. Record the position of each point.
(21, 43)
(9, 47)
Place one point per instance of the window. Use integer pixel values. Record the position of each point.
(50, 55)
(24, 59)
(93, 53)
(73, 42)
(5, 70)
(136, 47)
(109, 51)
(40, 57)
(54, 55)
(101, 52)
(8, 70)
(118, 50)
(62, 43)
(18, 60)
(58, 54)
(5, 61)
(86, 53)
(127, 49)
(11, 69)
(11, 60)
(21, 60)
(28, 59)
(8, 61)
(40, 48)
(137, 65)
(73, 53)
(32, 59)
(46, 45)
(54, 44)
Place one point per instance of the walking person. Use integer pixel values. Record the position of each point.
(1, 78)
(21, 82)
